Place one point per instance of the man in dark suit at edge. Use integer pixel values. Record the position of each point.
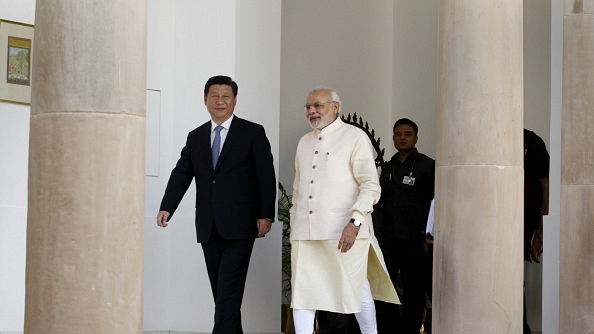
(231, 161)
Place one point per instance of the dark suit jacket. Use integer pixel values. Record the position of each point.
(239, 191)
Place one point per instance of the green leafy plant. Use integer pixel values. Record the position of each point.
(284, 205)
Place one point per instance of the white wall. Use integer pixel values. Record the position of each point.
(14, 142)
(537, 67)
(415, 69)
(161, 59)
(14, 145)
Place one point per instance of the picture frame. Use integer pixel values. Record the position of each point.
(16, 56)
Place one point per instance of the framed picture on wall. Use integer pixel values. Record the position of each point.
(16, 54)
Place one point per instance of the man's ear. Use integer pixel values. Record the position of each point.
(336, 106)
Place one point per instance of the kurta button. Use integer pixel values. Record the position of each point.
(310, 197)
(316, 152)
(310, 212)
(311, 181)
(320, 138)
(314, 166)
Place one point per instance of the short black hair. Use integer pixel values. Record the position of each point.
(406, 121)
(220, 80)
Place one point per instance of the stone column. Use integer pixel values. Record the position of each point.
(478, 258)
(576, 292)
(86, 168)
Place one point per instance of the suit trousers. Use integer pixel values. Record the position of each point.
(227, 263)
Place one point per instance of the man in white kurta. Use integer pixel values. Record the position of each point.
(337, 264)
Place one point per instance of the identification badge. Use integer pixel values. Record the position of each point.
(409, 180)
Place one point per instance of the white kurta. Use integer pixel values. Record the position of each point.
(336, 179)
(323, 278)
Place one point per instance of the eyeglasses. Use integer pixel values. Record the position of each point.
(316, 106)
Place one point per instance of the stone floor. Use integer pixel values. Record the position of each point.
(173, 332)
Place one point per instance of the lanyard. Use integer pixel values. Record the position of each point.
(409, 174)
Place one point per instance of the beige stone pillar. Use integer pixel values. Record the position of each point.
(478, 266)
(86, 168)
(576, 291)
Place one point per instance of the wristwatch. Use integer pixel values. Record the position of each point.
(356, 222)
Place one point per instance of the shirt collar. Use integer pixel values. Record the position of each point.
(415, 153)
(226, 124)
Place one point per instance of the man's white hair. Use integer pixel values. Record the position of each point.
(333, 95)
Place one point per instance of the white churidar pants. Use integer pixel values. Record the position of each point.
(304, 319)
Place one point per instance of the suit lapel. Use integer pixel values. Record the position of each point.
(232, 136)
(204, 142)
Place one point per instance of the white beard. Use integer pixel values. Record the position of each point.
(319, 123)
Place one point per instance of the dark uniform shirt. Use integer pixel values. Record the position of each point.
(536, 167)
(407, 191)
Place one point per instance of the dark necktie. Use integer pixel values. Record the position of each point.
(216, 146)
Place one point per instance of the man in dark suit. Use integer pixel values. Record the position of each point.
(230, 160)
